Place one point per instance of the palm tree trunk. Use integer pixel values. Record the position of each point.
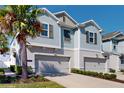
(23, 59)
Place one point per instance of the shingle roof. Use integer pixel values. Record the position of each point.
(120, 38)
(110, 35)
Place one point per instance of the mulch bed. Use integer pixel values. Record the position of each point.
(118, 80)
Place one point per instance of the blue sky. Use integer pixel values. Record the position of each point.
(110, 18)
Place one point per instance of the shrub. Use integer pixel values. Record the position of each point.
(33, 78)
(73, 70)
(95, 74)
(2, 77)
(18, 70)
(122, 70)
(111, 70)
(7, 79)
(106, 76)
(30, 70)
(12, 68)
(113, 76)
(100, 75)
(110, 76)
(1, 71)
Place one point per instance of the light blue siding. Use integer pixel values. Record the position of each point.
(67, 44)
(120, 47)
(84, 44)
(107, 46)
(45, 41)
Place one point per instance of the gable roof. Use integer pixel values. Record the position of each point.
(111, 35)
(65, 13)
(121, 38)
(92, 22)
(51, 14)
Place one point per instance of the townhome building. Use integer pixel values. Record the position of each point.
(64, 44)
(113, 47)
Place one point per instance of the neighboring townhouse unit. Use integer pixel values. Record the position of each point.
(5, 60)
(113, 47)
(63, 45)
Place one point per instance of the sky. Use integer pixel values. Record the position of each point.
(109, 18)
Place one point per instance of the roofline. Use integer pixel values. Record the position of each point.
(117, 34)
(93, 22)
(50, 13)
(108, 39)
(67, 15)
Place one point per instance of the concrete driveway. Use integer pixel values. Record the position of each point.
(82, 81)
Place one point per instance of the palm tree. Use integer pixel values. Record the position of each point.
(3, 43)
(21, 20)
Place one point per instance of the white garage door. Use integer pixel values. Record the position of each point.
(51, 64)
(94, 64)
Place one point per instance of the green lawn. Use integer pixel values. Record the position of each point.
(46, 84)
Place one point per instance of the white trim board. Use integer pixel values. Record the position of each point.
(48, 54)
(66, 15)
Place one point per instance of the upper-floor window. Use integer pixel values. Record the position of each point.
(91, 37)
(67, 36)
(48, 30)
(115, 42)
(45, 28)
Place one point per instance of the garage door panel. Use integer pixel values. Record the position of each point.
(46, 67)
(48, 64)
(95, 64)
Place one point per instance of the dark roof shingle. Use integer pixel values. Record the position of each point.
(110, 35)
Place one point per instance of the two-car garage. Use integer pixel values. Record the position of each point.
(51, 64)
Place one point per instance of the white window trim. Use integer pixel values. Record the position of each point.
(45, 29)
(92, 37)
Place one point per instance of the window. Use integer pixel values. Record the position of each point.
(114, 47)
(91, 37)
(45, 28)
(67, 35)
(115, 42)
(122, 59)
